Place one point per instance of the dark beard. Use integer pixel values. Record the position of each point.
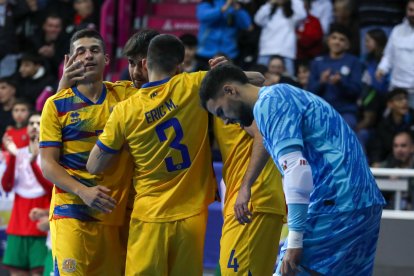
(245, 115)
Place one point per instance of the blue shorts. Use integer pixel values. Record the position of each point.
(341, 243)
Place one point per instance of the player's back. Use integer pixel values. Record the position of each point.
(72, 122)
(166, 129)
(236, 147)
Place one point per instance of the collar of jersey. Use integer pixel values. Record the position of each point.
(86, 100)
(155, 83)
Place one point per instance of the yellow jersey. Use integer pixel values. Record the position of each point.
(236, 147)
(166, 130)
(72, 122)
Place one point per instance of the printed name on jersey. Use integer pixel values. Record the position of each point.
(160, 111)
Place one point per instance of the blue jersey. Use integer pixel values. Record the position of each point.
(289, 116)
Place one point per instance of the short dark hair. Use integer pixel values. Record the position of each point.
(262, 69)
(21, 101)
(276, 57)
(215, 79)
(90, 33)
(165, 52)
(189, 40)
(137, 44)
(9, 80)
(395, 92)
(341, 29)
(31, 57)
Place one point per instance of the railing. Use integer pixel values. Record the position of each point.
(397, 185)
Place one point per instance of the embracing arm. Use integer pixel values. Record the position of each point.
(257, 162)
(98, 160)
(94, 197)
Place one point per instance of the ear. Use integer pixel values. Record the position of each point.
(145, 64)
(107, 59)
(228, 89)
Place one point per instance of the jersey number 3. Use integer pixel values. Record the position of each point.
(175, 144)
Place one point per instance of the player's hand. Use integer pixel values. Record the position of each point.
(35, 149)
(96, 197)
(241, 208)
(214, 62)
(73, 71)
(9, 145)
(290, 262)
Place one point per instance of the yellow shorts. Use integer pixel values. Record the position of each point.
(166, 248)
(250, 248)
(86, 248)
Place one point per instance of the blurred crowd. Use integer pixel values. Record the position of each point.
(357, 55)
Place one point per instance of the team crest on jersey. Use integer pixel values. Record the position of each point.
(74, 117)
(69, 265)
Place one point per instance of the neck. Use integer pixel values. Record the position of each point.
(7, 106)
(397, 118)
(251, 95)
(336, 55)
(157, 76)
(92, 90)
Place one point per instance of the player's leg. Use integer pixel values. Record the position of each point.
(250, 248)
(82, 248)
(187, 246)
(147, 248)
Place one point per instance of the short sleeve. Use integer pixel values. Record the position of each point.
(280, 122)
(112, 138)
(50, 126)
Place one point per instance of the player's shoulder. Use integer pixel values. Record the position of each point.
(120, 89)
(61, 95)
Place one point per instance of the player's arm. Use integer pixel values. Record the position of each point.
(95, 197)
(258, 160)
(255, 78)
(99, 160)
(297, 184)
(109, 143)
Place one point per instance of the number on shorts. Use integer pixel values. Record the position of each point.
(175, 144)
(233, 261)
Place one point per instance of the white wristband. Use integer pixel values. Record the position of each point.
(295, 239)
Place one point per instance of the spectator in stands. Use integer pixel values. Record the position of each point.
(190, 63)
(378, 14)
(7, 99)
(336, 77)
(50, 42)
(303, 74)
(85, 17)
(26, 250)
(220, 22)
(402, 157)
(400, 117)
(323, 10)
(399, 55)
(41, 217)
(345, 14)
(8, 39)
(309, 35)
(276, 72)
(33, 78)
(278, 20)
(18, 131)
(375, 41)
